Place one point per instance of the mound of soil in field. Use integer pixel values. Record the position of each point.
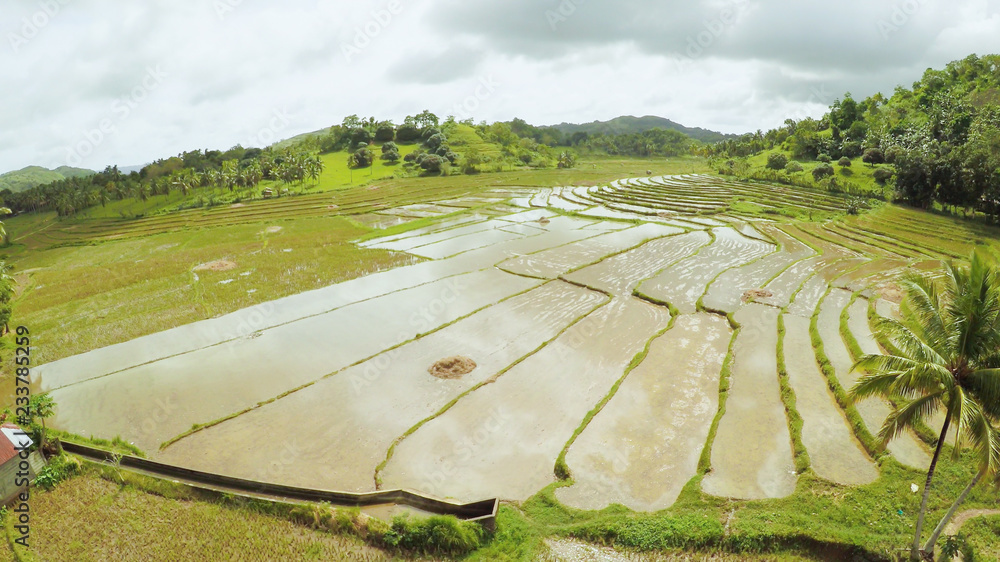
(452, 367)
(543, 220)
(756, 294)
(218, 265)
(237, 206)
(273, 229)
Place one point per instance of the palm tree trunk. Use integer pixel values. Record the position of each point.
(929, 547)
(915, 547)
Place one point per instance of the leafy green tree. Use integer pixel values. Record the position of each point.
(824, 158)
(946, 358)
(822, 171)
(844, 162)
(793, 167)
(385, 132)
(40, 407)
(873, 156)
(882, 175)
(777, 161)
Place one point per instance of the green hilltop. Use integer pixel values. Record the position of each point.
(628, 124)
(31, 176)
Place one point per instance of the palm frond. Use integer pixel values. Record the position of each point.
(907, 415)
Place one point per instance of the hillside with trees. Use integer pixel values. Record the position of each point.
(934, 144)
(31, 176)
(423, 144)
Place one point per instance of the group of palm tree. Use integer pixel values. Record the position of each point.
(944, 357)
(74, 195)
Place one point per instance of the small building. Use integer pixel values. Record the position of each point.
(14, 441)
(268, 193)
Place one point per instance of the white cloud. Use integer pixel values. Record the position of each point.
(232, 64)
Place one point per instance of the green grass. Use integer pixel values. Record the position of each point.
(84, 297)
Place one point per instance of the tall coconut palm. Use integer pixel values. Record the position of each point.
(946, 358)
(985, 442)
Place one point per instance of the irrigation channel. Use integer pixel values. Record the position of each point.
(632, 335)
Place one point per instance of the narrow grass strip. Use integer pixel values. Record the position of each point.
(795, 421)
(868, 441)
(561, 469)
(392, 448)
(198, 427)
(705, 460)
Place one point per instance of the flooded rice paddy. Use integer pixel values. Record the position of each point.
(599, 320)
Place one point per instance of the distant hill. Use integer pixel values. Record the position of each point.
(26, 178)
(629, 124)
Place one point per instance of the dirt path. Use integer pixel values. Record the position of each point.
(961, 517)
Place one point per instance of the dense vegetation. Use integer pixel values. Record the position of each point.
(937, 143)
(422, 145)
(26, 178)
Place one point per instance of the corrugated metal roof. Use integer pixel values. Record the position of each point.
(13, 440)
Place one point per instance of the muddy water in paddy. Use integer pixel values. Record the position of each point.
(906, 448)
(260, 318)
(752, 452)
(812, 291)
(862, 276)
(784, 286)
(344, 424)
(726, 293)
(552, 263)
(459, 244)
(683, 283)
(835, 453)
(620, 274)
(215, 381)
(643, 447)
(536, 407)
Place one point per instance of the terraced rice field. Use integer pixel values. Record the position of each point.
(633, 335)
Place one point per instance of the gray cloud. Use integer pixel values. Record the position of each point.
(731, 65)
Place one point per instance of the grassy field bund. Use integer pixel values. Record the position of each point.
(89, 282)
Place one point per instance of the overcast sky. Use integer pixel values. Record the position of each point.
(97, 82)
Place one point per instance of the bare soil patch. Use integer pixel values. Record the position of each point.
(452, 367)
(756, 294)
(891, 292)
(218, 265)
(273, 229)
(236, 205)
(543, 220)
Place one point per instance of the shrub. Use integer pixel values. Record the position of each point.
(777, 161)
(851, 149)
(430, 162)
(844, 162)
(408, 133)
(793, 167)
(883, 174)
(59, 468)
(873, 156)
(434, 535)
(385, 133)
(825, 158)
(822, 171)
